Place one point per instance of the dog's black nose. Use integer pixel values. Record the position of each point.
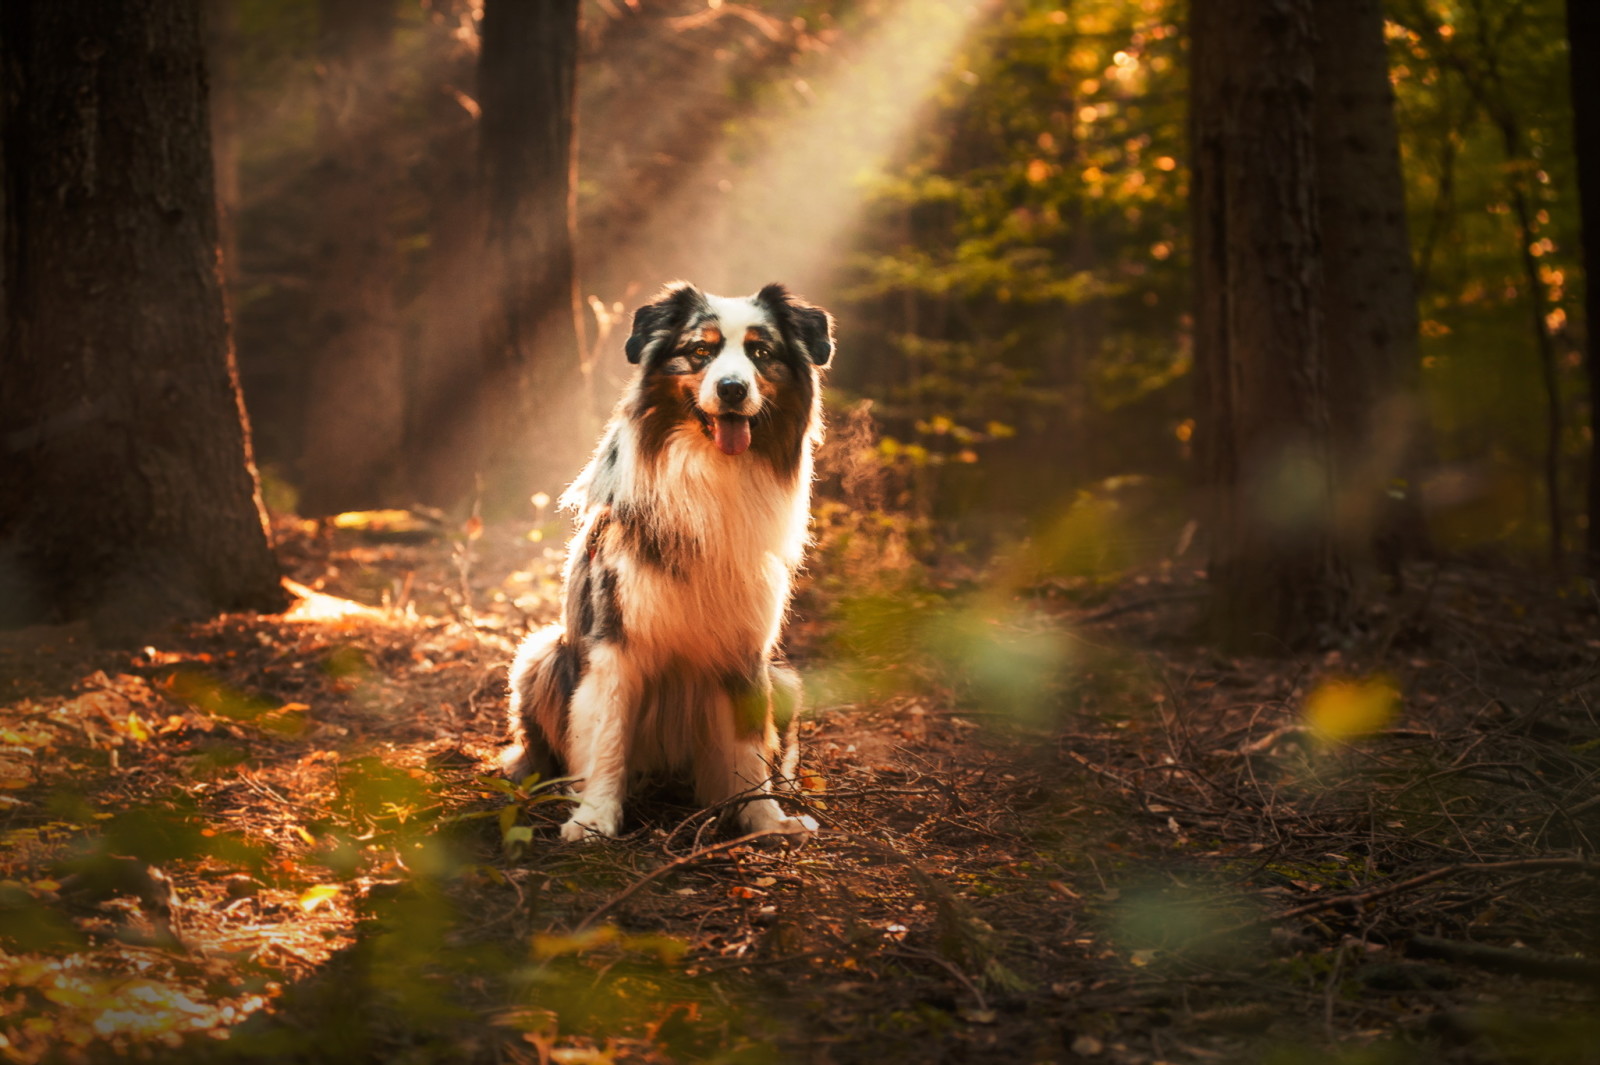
(732, 390)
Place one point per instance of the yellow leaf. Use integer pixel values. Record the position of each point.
(1341, 709)
(303, 834)
(136, 728)
(315, 896)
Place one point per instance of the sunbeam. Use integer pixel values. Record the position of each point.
(777, 202)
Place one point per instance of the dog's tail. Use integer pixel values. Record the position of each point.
(543, 677)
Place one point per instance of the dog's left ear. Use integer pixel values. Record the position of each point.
(656, 321)
(812, 326)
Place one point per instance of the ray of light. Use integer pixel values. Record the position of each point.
(782, 208)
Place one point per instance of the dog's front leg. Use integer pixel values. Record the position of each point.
(600, 733)
(740, 762)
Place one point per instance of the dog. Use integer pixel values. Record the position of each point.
(693, 518)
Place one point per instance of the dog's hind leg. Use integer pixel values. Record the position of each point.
(542, 678)
(599, 734)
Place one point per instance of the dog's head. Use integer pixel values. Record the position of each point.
(741, 370)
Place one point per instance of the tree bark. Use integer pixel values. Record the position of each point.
(1583, 36)
(129, 494)
(1369, 295)
(527, 77)
(1276, 577)
(222, 55)
(355, 412)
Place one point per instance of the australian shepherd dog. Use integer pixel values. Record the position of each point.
(692, 519)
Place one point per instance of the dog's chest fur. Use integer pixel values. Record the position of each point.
(728, 538)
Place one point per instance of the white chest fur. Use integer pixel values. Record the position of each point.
(745, 530)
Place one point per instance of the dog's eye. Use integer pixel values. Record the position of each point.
(702, 351)
(760, 351)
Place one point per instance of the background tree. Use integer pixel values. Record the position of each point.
(129, 494)
(1259, 350)
(355, 406)
(1369, 303)
(1583, 33)
(527, 85)
(1485, 106)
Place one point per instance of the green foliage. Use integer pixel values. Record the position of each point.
(1482, 98)
(1024, 255)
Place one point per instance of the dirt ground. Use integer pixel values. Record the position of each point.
(1054, 829)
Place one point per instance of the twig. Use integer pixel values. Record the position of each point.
(1360, 898)
(1309, 736)
(1139, 604)
(949, 967)
(660, 871)
(1508, 960)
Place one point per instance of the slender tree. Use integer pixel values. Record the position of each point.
(527, 78)
(355, 412)
(1258, 341)
(128, 494)
(1369, 302)
(1583, 35)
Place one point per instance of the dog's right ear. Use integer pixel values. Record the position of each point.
(655, 322)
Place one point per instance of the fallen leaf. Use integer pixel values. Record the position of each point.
(315, 896)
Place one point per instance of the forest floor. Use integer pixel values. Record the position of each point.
(279, 838)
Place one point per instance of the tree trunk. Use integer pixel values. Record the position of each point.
(1369, 303)
(222, 54)
(1583, 35)
(527, 75)
(1258, 347)
(129, 494)
(355, 413)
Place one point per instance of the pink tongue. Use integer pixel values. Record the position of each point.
(732, 433)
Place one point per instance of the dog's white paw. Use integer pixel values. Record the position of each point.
(591, 822)
(797, 829)
(768, 816)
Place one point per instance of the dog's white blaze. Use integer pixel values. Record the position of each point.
(735, 317)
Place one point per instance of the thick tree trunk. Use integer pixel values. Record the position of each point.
(1258, 345)
(128, 493)
(1369, 303)
(355, 412)
(1583, 34)
(527, 77)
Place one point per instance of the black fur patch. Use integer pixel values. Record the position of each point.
(663, 319)
(651, 543)
(606, 625)
(799, 321)
(585, 601)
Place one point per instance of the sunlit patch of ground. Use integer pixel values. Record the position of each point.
(1052, 831)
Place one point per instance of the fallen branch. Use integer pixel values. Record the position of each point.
(1307, 736)
(1520, 961)
(661, 871)
(1361, 898)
